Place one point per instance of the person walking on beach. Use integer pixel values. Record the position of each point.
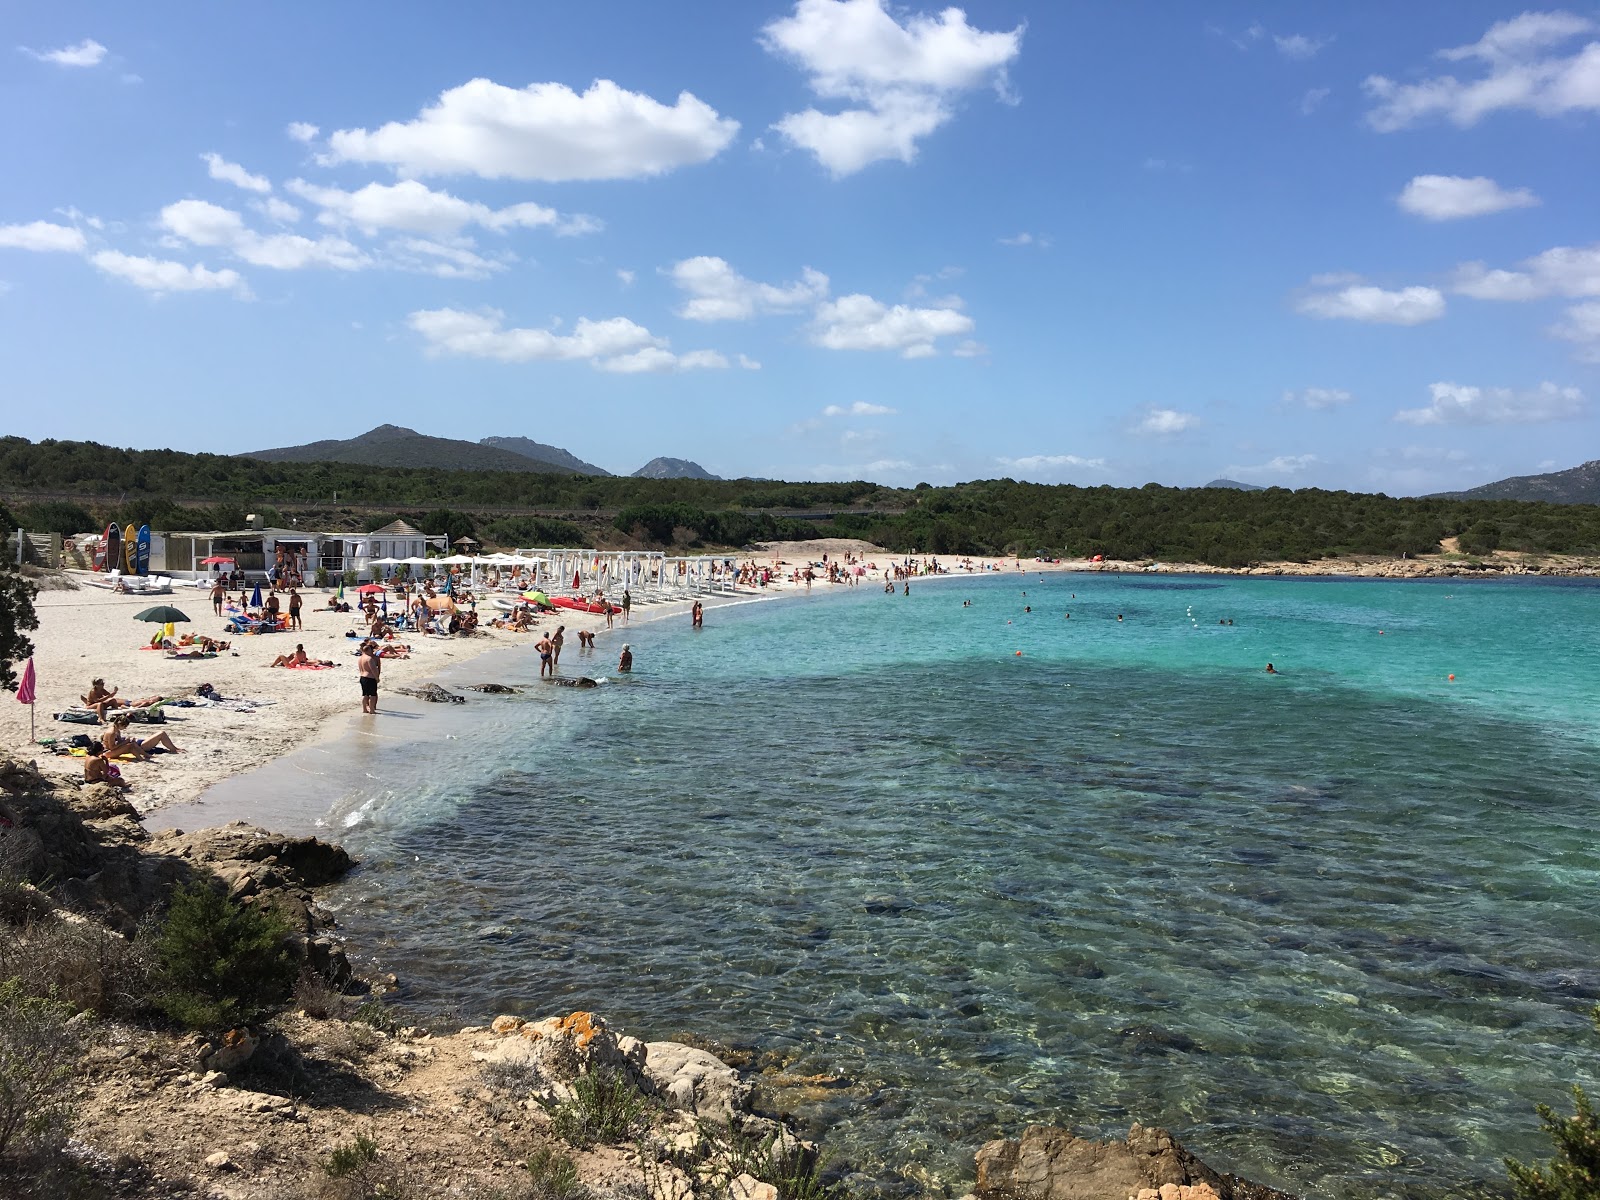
(627, 604)
(294, 609)
(218, 595)
(543, 647)
(369, 666)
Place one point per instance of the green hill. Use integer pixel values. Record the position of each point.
(1576, 485)
(396, 446)
(539, 452)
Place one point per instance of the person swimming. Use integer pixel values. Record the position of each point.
(1272, 670)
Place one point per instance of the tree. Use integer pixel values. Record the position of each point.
(16, 618)
(1574, 1173)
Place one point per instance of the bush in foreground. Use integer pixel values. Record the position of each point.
(605, 1109)
(221, 963)
(1574, 1173)
(39, 1052)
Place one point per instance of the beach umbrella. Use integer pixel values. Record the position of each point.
(577, 583)
(536, 597)
(161, 614)
(215, 560)
(26, 693)
(370, 589)
(341, 587)
(255, 598)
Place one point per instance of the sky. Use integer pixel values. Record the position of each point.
(1333, 245)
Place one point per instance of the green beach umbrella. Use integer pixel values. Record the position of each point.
(161, 614)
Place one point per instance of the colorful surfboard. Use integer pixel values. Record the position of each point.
(112, 559)
(130, 546)
(141, 556)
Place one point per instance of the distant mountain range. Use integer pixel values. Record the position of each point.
(1576, 485)
(397, 446)
(1236, 485)
(672, 468)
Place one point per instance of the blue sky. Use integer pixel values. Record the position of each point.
(1334, 245)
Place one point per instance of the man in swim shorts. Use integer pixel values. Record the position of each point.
(543, 647)
(370, 667)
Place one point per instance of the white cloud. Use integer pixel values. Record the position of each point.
(1581, 324)
(1038, 462)
(1316, 398)
(160, 276)
(1520, 70)
(902, 77)
(300, 131)
(544, 131)
(1312, 100)
(1453, 404)
(859, 409)
(971, 348)
(719, 293)
(445, 260)
(625, 277)
(414, 207)
(87, 53)
(221, 169)
(1282, 466)
(859, 322)
(1450, 197)
(1043, 241)
(42, 236)
(205, 224)
(278, 210)
(1164, 422)
(1364, 302)
(1561, 271)
(748, 363)
(1298, 45)
(616, 344)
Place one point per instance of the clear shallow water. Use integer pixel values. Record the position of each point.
(1336, 929)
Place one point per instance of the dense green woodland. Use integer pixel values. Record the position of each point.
(1221, 526)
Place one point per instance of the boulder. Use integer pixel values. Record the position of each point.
(559, 1049)
(432, 693)
(1050, 1163)
(695, 1081)
(494, 689)
(575, 681)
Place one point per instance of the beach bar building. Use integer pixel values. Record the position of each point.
(257, 550)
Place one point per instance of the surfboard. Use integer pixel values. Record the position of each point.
(141, 555)
(130, 546)
(112, 558)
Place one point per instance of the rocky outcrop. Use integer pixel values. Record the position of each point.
(577, 681)
(1050, 1163)
(695, 1081)
(494, 689)
(432, 693)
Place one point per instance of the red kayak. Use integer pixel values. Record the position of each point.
(588, 606)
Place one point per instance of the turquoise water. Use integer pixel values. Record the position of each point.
(1337, 928)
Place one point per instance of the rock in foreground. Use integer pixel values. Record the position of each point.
(1050, 1163)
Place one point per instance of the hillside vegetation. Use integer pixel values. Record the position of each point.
(1220, 526)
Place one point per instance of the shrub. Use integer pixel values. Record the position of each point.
(551, 1176)
(39, 1052)
(221, 963)
(78, 962)
(605, 1108)
(355, 1172)
(320, 577)
(1574, 1173)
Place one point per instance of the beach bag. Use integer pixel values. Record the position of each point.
(82, 741)
(145, 716)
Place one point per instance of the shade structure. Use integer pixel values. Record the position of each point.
(370, 589)
(577, 581)
(385, 562)
(216, 560)
(255, 597)
(161, 614)
(26, 690)
(536, 597)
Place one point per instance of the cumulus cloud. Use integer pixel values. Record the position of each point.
(971, 348)
(446, 260)
(160, 276)
(859, 322)
(1454, 404)
(204, 224)
(300, 131)
(87, 53)
(1043, 462)
(414, 207)
(1298, 45)
(544, 131)
(278, 210)
(1572, 271)
(625, 277)
(717, 292)
(1451, 197)
(221, 169)
(1164, 422)
(901, 78)
(860, 408)
(616, 344)
(749, 364)
(1519, 67)
(1581, 325)
(1312, 100)
(42, 236)
(1316, 398)
(1364, 302)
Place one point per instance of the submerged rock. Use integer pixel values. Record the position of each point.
(577, 681)
(432, 693)
(1051, 1163)
(494, 689)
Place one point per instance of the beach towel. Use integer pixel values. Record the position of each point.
(78, 716)
(308, 667)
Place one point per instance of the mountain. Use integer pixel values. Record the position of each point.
(1576, 485)
(672, 468)
(1236, 485)
(539, 452)
(396, 446)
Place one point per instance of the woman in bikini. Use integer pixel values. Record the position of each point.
(118, 744)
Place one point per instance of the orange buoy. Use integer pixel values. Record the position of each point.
(1452, 678)
(1019, 655)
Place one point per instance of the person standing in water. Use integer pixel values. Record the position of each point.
(625, 663)
(697, 615)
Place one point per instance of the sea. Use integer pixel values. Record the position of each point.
(1018, 849)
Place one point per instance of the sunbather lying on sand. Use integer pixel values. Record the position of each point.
(300, 659)
(118, 744)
